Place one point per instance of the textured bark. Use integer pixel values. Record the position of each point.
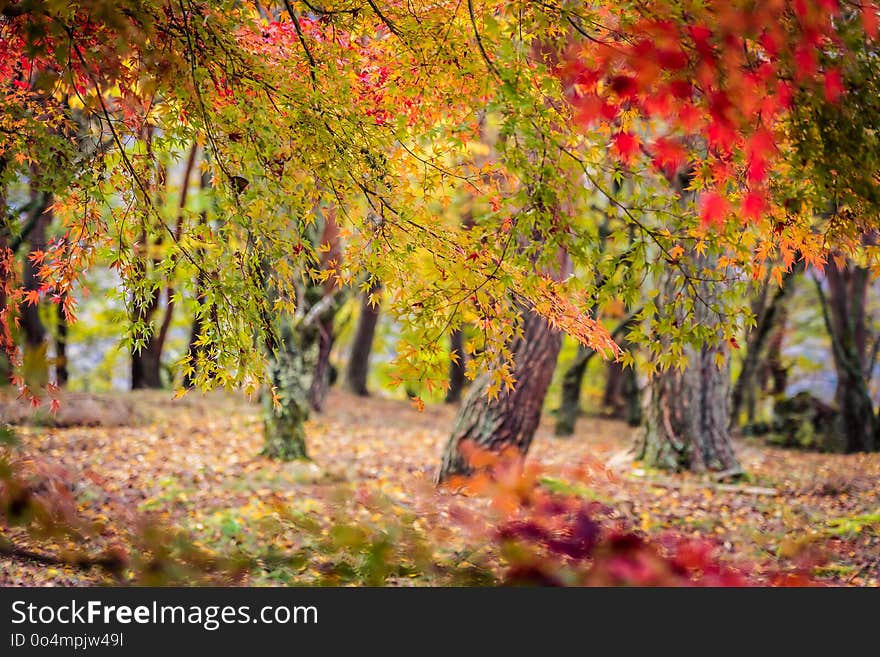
(7, 344)
(293, 362)
(844, 312)
(359, 361)
(510, 419)
(686, 416)
(456, 367)
(290, 371)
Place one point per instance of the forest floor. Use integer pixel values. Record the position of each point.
(193, 463)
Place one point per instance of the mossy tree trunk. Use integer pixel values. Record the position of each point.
(286, 407)
(293, 361)
(686, 423)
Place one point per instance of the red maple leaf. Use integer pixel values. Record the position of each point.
(870, 19)
(32, 297)
(626, 145)
(833, 85)
(713, 208)
(753, 205)
(624, 86)
(669, 154)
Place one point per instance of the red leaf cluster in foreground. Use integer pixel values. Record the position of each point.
(553, 539)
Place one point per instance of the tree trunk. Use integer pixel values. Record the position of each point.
(569, 407)
(321, 376)
(286, 407)
(570, 402)
(359, 361)
(844, 312)
(510, 419)
(632, 395)
(768, 317)
(331, 253)
(36, 346)
(61, 372)
(7, 262)
(687, 418)
(622, 398)
(456, 367)
(194, 350)
(146, 361)
(7, 344)
(293, 363)
(612, 399)
(146, 367)
(774, 376)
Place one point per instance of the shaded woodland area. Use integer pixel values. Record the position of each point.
(472, 293)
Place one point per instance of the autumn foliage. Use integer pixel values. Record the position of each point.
(483, 163)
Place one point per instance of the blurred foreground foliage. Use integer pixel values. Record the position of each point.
(523, 528)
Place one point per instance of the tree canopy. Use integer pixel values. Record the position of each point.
(541, 118)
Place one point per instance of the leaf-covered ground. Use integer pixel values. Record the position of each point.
(193, 463)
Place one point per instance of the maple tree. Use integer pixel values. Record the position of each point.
(501, 174)
(704, 88)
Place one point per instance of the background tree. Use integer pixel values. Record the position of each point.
(456, 367)
(769, 310)
(845, 316)
(331, 253)
(358, 367)
(622, 398)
